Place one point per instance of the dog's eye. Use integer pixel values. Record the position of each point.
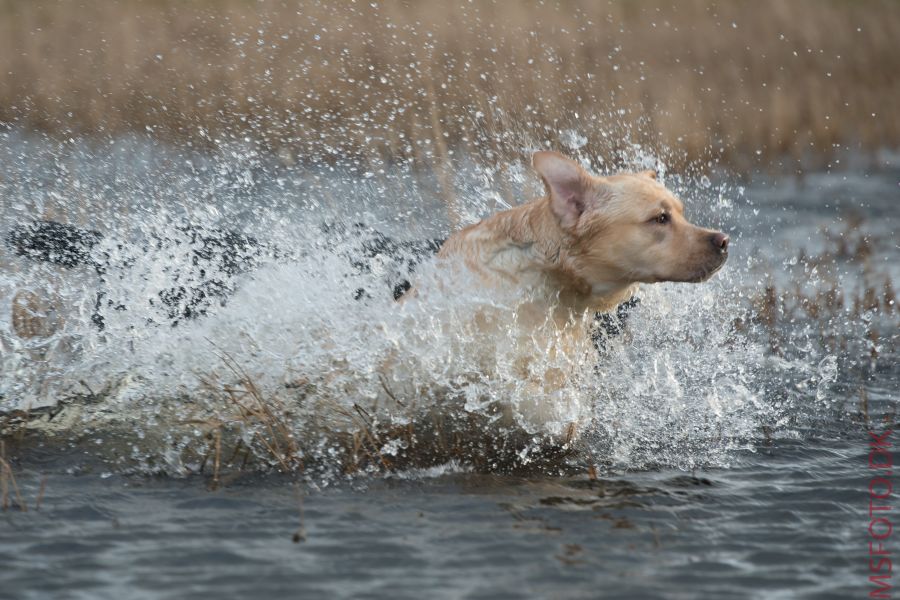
(662, 219)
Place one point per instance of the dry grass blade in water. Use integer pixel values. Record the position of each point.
(255, 410)
(8, 482)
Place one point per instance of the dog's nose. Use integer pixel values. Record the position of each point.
(719, 240)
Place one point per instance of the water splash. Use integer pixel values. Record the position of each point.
(361, 378)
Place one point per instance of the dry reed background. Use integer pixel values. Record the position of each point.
(768, 82)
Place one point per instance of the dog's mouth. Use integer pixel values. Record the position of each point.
(708, 272)
(698, 275)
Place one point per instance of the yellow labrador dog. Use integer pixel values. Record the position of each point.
(554, 262)
(581, 249)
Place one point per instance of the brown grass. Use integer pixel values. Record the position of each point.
(265, 416)
(740, 81)
(275, 434)
(240, 429)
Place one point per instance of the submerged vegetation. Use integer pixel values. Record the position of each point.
(820, 298)
(745, 83)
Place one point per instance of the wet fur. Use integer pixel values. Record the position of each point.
(590, 240)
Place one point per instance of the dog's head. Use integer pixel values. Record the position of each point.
(626, 228)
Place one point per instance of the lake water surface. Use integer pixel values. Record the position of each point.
(728, 455)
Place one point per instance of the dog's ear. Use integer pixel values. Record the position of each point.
(568, 186)
(651, 173)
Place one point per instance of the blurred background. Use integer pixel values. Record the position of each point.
(768, 84)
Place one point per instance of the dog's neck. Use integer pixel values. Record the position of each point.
(525, 246)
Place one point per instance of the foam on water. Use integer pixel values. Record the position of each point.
(683, 387)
